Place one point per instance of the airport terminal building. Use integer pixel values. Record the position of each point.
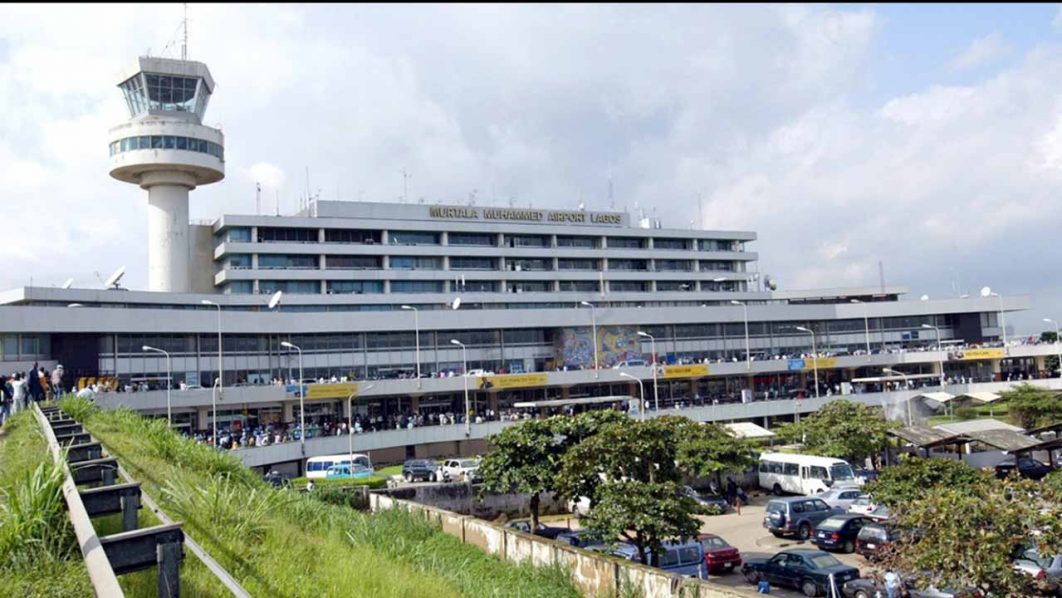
(373, 294)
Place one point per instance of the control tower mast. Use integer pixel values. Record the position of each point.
(165, 149)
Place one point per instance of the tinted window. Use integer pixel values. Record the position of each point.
(799, 507)
(670, 558)
(819, 505)
(791, 469)
(824, 560)
(775, 507)
(713, 543)
(689, 554)
(819, 473)
(831, 524)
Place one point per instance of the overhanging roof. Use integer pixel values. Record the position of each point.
(981, 397)
(926, 438)
(749, 430)
(564, 402)
(977, 425)
(1004, 440)
(940, 397)
(1047, 445)
(1055, 427)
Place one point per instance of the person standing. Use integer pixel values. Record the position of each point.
(57, 382)
(5, 400)
(19, 393)
(33, 383)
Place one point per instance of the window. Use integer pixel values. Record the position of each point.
(527, 241)
(239, 287)
(480, 286)
(628, 265)
(294, 287)
(239, 234)
(670, 558)
(618, 286)
(352, 262)
(287, 262)
(473, 263)
(472, 239)
(818, 472)
(530, 286)
(356, 287)
(674, 266)
(679, 244)
(577, 264)
(416, 286)
(579, 286)
(361, 237)
(413, 238)
(720, 245)
(580, 242)
(416, 263)
(626, 243)
(689, 554)
(269, 234)
(675, 285)
(529, 336)
(237, 261)
(529, 264)
(791, 469)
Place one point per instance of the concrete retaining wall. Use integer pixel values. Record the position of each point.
(461, 498)
(593, 574)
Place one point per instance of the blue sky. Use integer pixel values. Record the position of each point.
(925, 137)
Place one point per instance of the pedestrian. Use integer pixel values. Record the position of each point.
(5, 400)
(20, 392)
(33, 383)
(732, 494)
(892, 584)
(57, 382)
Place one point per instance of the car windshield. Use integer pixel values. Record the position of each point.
(841, 471)
(832, 524)
(874, 532)
(775, 507)
(469, 463)
(824, 560)
(713, 542)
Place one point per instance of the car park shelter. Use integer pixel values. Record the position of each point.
(977, 425)
(750, 431)
(929, 438)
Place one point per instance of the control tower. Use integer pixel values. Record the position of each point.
(165, 149)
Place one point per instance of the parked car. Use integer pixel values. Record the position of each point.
(347, 471)
(839, 532)
(874, 538)
(276, 479)
(426, 470)
(580, 539)
(880, 513)
(719, 556)
(461, 470)
(543, 530)
(630, 363)
(807, 570)
(682, 558)
(866, 587)
(1052, 565)
(796, 515)
(841, 497)
(1040, 582)
(707, 500)
(862, 505)
(1027, 467)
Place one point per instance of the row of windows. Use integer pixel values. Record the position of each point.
(173, 142)
(471, 286)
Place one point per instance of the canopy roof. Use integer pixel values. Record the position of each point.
(928, 438)
(749, 430)
(977, 425)
(981, 397)
(940, 397)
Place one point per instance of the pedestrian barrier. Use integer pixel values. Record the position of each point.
(161, 546)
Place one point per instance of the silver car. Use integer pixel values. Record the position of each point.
(841, 497)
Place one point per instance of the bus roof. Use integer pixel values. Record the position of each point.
(800, 459)
(342, 457)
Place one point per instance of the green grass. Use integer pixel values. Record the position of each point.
(284, 543)
(38, 551)
(387, 472)
(982, 411)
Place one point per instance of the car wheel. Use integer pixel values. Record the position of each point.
(861, 594)
(804, 532)
(849, 546)
(809, 588)
(409, 478)
(777, 490)
(752, 577)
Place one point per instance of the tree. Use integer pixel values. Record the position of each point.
(967, 536)
(1030, 406)
(841, 429)
(644, 514)
(915, 477)
(524, 459)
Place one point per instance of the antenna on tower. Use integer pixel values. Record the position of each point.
(278, 201)
(257, 198)
(184, 43)
(405, 186)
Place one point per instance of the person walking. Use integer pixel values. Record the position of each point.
(33, 383)
(19, 393)
(5, 400)
(57, 382)
(732, 494)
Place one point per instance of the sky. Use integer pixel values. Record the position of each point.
(926, 138)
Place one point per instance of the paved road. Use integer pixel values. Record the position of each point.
(746, 533)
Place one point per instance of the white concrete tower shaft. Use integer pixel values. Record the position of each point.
(166, 150)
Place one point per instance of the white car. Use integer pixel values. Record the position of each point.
(630, 363)
(478, 373)
(460, 470)
(841, 497)
(862, 505)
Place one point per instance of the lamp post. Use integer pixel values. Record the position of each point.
(987, 292)
(214, 409)
(905, 386)
(302, 402)
(656, 391)
(940, 352)
(221, 370)
(464, 374)
(866, 324)
(350, 424)
(748, 350)
(814, 357)
(593, 326)
(1058, 343)
(416, 328)
(169, 380)
(641, 397)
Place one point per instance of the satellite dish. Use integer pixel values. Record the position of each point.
(112, 282)
(69, 283)
(456, 304)
(924, 297)
(986, 291)
(275, 299)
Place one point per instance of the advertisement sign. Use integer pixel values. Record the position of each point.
(696, 370)
(968, 354)
(825, 363)
(795, 365)
(511, 381)
(340, 390)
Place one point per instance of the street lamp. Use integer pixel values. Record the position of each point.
(350, 424)
(464, 374)
(905, 385)
(1058, 343)
(652, 344)
(214, 409)
(987, 292)
(302, 397)
(416, 328)
(814, 357)
(641, 398)
(940, 352)
(593, 325)
(169, 380)
(748, 351)
(221, 370)
(866, 324)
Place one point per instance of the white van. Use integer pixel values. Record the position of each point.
(317, 467)
(804, 474)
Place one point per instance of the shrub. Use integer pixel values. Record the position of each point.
(967, 412)
(372, 482)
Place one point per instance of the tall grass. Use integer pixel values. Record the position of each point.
(283, 543)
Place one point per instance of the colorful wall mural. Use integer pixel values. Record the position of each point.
(575, 346)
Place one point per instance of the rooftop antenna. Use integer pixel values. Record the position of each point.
(277, 191)
(257, 198)
(184, 42)
(700, 208)
(69, 283)
(114, 279)
(405, 186)
(881, 276)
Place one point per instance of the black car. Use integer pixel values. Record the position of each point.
(874, 538)
(807, 570)
(545, 531)
(707, 501)
(1027, 468)
(839, 532)
(276, 479)
(420, 470)
(866, 587)
(796, 515)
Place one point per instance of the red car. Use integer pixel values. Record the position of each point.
(718, 555)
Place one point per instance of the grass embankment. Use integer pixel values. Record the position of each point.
(38, 551)
(283, 543)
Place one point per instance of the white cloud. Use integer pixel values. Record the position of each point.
(981, 51)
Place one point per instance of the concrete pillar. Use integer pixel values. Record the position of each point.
(202, 418)
(168, 236)
(289, 411)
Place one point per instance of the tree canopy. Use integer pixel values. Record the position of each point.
(1031, 406)
(524, 459)
(841, 429)
(915, 477)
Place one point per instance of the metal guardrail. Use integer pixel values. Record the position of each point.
(133, 549)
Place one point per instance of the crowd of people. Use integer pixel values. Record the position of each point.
(20, 389)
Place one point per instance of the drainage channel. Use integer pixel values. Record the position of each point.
(132, 549)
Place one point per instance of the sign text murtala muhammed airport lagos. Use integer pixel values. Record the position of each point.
(526, 215)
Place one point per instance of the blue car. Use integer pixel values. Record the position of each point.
(682, 558)
(810, 571)
(577, 538)
(345, 471)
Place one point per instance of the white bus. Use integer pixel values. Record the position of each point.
(804, 474)
(317, 467)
